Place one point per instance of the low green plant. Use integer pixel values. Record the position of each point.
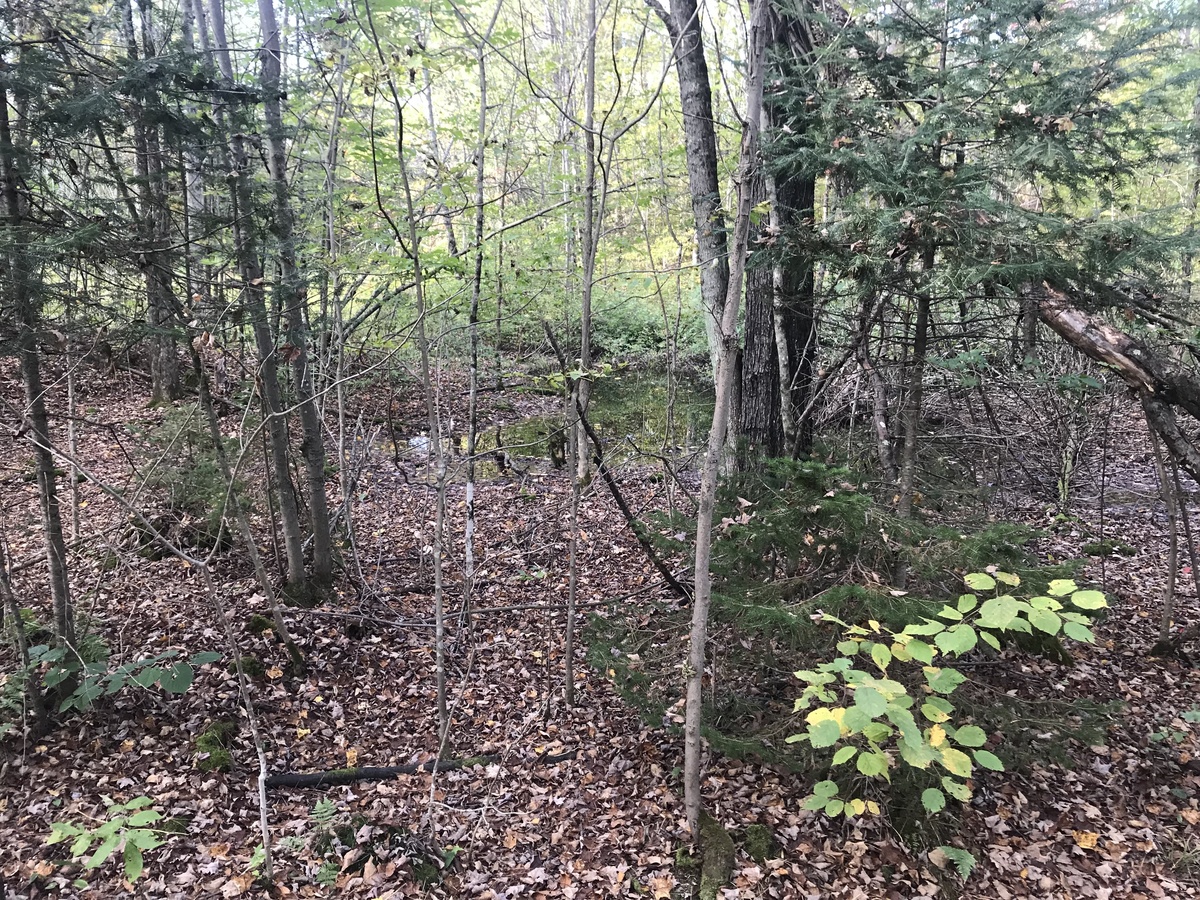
(125, 827)
(94, 679)
(962, 860)
(869, 714)
(212, 746)
(335, 833)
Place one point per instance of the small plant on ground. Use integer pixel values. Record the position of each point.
(212, 747)
(125, 828)
(93, 679)
(870, 714)
(341, 844)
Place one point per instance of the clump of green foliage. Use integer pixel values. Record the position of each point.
(185, 474)
(802, 544)
(75, 679)
(212, 746)
(125, 827)
(867, 714)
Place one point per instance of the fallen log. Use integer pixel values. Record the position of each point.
(1160, 384)
(334, 777)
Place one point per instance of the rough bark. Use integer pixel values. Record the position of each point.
(760, 424)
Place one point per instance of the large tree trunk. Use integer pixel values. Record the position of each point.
(791, 199)
(760, 412)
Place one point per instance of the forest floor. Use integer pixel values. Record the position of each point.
(1118, 820)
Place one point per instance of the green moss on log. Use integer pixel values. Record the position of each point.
(717, 866)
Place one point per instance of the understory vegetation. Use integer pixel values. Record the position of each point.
(568, 450)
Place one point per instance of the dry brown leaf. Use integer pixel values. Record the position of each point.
(1085, 839)
(661, 886)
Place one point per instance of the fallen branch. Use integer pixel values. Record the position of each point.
(335, 777)
(1159, 384)
(630, 519)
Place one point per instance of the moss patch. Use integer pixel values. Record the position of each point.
(760, 844)
(258, 624)
(717, 866)
(304, 596)
(251, 665)
(212, 746)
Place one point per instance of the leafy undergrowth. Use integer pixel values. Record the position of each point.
(1118, 820)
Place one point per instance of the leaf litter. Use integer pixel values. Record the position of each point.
(1119, 821)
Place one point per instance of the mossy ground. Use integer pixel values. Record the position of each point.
(212, 750)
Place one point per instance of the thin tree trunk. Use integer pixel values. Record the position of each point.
(437, 455)
(18, 285)
(1167, 486)
(255, 300)
(698, 637)
(292, 300)
(473, 317)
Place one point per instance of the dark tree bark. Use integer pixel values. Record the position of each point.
(291, 293)
(250, 269)
(152, 223)
(760, 424)
(19, 292)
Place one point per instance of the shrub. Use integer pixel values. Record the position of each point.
(185, 474)
(869, 714)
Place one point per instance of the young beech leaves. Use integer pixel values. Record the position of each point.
(867, 714)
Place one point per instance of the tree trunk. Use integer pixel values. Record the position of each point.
(700, 146)
(698, 638)
(760, 425)
(21, 296)
(292, 300)
(251, 273)
(153, 233)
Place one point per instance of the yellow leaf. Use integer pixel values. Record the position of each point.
(303, 732)
(956, 762)
(873, 807)
(821, 713)
(1085, 839)
(858, 807)
(937, 735)
(352, 757)
(274, 672)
